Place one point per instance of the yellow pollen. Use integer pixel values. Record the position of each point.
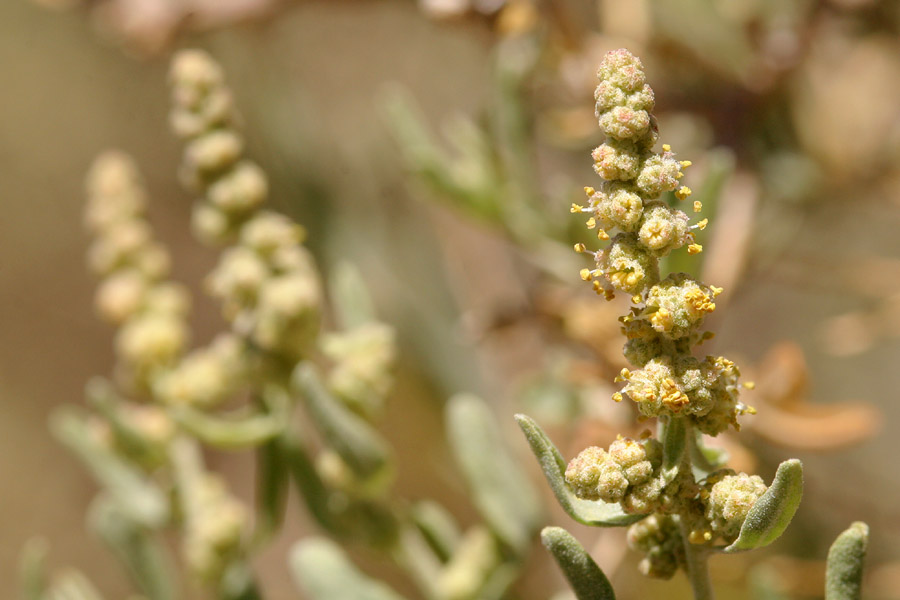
(667, 148)
(701, 225)
(716, 290)
(617, 396)
(579, 247)
(679, 175)
(750, 385)
(662, 319)
(686, 163)
(601, 234)
(699, 537)
(750, 410)
(576, 208)
(698, 206)
(636, 299)
(589, 190)
(585, 274)
(695, 249)
(591, 223)
(683, 192)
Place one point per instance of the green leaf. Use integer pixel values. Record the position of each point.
(350, 298)
(587, 580)
(706, 459)
(310, 486)
(594, 513)
(437, 526)
(228, 433)
(844, 571)
(135, 494)
(321, 569)
(357, 443)
(772, 513)
(144, 557)
(271, 488)
(502, 492)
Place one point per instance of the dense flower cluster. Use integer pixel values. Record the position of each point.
(662, 329)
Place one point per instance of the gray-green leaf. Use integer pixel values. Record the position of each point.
(771, 514)
(586, 578)
(844, 572)
(594, 513)
(322, 570)
(357, 443)
(135, 494)
(502, 491)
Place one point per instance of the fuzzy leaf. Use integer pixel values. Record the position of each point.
(351, 300)
(502, 491)
(135, 494)
(144, 557)
(322, 570)
(437, 526)
(844, 571)
(225, 433)
(596, 514)
(771, 514)
(271, 488)
(357, 443)
(587, 580)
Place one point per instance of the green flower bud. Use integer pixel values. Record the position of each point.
(627, 265)
(214, 529)
(268, 231)
(658, 538)
(121, 295)
(663, 229)
(241, 190)
(151, 341)
(617, 205)
(617, 160)
(625, 123)
(206, 377)
(209, 224)
(237, 278)
(211, 153)
(364, 359)
(620, 68)
(658, 174)
(678, 304)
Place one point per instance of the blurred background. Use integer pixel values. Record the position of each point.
(438, 145)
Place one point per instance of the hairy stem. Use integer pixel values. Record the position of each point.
(696, 556)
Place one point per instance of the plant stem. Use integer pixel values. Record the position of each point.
(696, 556)
(697, 567)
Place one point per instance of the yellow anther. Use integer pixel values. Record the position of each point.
(750, 385)
(750, 410)
(701, 225)
(601, 234)
(576, 208)
(646, 434)
(667, 148)
(618, 397)
(637, 299)
(698, 206)
(683, 192)
(585, 274)
(679, 175)
(591, 223)
(699, 537)
(625, 374)
(716, 290)
(579, 247)
(589, 190)
(695, 249)
(686, 163)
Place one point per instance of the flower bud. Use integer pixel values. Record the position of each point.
(658, 538)
(730, 499)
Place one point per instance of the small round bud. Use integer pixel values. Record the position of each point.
(212, 152)
(151, 340)
(658, 538)
(625, 123)
(121, 295)
(627, 265)
(241, 190)
(678, 304)
(617, 160)
(729, 501)
(663, 229)
(658, 174)
(617, 205)
(210, 224)
(620, 68)
(269, 231)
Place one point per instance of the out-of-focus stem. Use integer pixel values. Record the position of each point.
(697, 567)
